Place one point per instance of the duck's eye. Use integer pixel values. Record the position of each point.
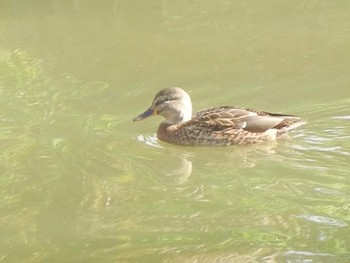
(166, 99)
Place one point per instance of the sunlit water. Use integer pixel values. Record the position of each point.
(80, 182)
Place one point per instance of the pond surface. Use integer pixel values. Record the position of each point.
(80, 182)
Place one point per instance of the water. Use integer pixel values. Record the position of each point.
(80, 182)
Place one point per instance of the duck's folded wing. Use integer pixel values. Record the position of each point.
(222, 118)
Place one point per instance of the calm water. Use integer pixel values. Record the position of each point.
(80, 182)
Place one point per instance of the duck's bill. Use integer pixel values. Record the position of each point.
(145, 115)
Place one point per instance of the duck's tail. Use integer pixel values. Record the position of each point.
(289, 123)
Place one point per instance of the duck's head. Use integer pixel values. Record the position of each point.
(174, 104)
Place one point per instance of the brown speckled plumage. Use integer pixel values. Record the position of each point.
(217, 126)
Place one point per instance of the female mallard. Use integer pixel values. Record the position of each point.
(216, 126)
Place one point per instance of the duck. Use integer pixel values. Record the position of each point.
(216, 126)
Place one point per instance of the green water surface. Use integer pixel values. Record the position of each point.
(80, 182)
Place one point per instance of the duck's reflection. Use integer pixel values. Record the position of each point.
(180, 173)
(174, 164)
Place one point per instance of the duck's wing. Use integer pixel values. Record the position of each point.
(227, 117)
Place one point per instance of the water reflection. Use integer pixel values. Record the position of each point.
(176, 163)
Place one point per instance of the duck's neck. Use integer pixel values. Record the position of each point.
(172, 133)
(163, 131)
(177, 117)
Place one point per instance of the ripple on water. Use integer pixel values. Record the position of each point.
(307, 256)
(322, 220)
(341, 117)
(149, 140)
(328, 191)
